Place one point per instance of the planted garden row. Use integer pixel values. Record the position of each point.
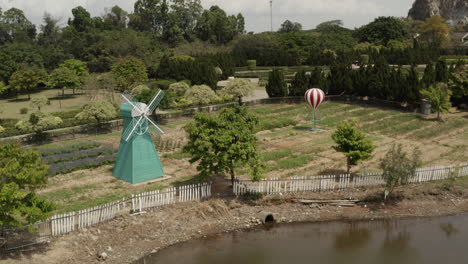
(68, 148)
(78, 154)
(81, 164)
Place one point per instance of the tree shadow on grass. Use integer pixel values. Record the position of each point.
(18, 100)
(64, 97)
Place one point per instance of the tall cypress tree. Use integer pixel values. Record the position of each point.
(414, 85)
(276, 86)
(299, 84)
(429, 75)
(441, 71)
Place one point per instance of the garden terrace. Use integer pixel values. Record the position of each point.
(286, 145)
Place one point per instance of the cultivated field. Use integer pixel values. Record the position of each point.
(288, 148)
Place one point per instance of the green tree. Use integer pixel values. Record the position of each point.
(439, 97)
(97, 112)
(352, 143)
(459, 83)
(239, 88)
(39, 102)
(222, 142)
(14, 26)
(81, 20)
(64, 78)
(441, 71)
(38, 123)
(201, 95)
(78, 67)
(382, 30)
(27, 79)
(116, 18)
(2, 129)
(289, 26)
(398, 168)
(299, 84)
(22, 173)
(435, 31)
(276, 86)
(128, 72)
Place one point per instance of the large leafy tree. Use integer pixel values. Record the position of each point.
(435, 31)
(289, 26)
(97, 112)
(22, 173)
(149, 15)
(81, 20)
(398, 167)
(129, 71)
(216, 26)
(14, 26)
(64, 78)
(27, 79)
(222, 142)
(382, 30)
(353, 143)
(438, 96)
(116, 18)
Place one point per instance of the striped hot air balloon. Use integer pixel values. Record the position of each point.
(314, 97)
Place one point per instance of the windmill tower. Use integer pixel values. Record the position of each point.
(137, 159)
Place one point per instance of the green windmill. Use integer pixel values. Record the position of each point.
(137, 159)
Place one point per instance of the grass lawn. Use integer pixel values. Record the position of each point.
(287, 148)
(58, 103)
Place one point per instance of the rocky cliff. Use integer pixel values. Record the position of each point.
(455, 11)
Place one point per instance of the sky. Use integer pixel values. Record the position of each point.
(309, 13)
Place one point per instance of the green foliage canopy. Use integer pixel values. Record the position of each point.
(27, 79)
(398, 168)
(239, 88)
(64, 78)
(352, 143)
(22, 172)
(98, 112)
(439, 97)
(276, 86)
(222, 142)
(128, 72)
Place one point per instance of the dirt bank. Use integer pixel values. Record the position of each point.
(129, 238)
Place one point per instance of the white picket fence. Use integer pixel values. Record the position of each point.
(174, 195)
(66, 223)
(69, 222)
(340, 182)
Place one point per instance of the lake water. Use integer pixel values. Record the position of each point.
(441, 240)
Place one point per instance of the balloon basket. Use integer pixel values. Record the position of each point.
(314, 124)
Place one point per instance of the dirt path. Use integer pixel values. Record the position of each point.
(128, 238)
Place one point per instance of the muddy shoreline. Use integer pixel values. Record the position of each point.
(128, 238)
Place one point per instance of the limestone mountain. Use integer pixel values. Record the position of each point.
(455, 11)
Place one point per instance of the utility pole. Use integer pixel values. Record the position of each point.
(271, 15)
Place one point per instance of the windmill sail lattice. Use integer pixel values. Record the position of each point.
(137, 159)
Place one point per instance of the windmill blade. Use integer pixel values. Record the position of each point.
(154, 125)
(155, 102)
(131, 101)
(130, 129)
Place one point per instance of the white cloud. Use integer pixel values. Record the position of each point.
(257, 12)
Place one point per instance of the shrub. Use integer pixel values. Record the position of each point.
(252, 65)
(24, 110)
(201, 95)
(276, 86)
